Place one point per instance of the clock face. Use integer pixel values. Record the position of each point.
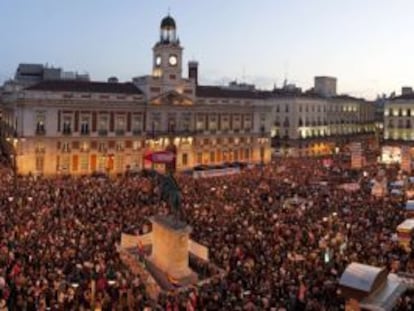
(172, 60)
(158, 60)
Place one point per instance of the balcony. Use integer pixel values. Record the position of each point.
(40, 131)
(67, 131)
(137, 132)
(40, 150)
(102, 132)
(119, 132)
(84, 132)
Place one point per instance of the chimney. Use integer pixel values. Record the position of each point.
(193, 71)
(325, 86)
(406, 90)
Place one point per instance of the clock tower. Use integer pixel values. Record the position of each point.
(167, 54)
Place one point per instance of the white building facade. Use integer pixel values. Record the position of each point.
(309, 124)
(398, 128)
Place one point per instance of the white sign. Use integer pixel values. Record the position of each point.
(198, 250)
(216, 172)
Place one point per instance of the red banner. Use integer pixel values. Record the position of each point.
(160, 157)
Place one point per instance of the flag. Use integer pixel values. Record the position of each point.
(302, 292)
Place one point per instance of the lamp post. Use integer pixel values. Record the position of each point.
(13, 143)
(262, 141)
(171, 167)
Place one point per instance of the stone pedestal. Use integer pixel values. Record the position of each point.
(170, 245)
(352, 305)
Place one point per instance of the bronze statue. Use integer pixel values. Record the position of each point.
(170, 193)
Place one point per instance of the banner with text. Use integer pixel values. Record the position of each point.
(356, 155)
(216, 172)
(165, 157)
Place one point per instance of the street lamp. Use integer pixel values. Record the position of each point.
(262, 141)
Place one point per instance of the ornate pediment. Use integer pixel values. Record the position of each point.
(171, 98)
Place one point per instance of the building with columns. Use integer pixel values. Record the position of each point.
(310, 124)
(79, 127)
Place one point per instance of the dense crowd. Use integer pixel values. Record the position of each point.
(283, 234)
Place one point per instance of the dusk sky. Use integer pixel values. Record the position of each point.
(367, 44)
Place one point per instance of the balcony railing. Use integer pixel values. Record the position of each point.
(119, 132)
(40, 131)
(102, 132)
(67, 131)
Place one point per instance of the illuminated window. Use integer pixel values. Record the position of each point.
(394, 112)
(184, 159)
(40, 162)
(199, 157)
(120, 124)
(212, 156)
(102, 147)
(65, 148)
(136, 145)
(40, 122)
(101, 163)
(185, 121)
(119, 162)
(103, 122)
(84, 162)
(225, 122)
(236, 122)
(200, 124)
(120, 146)
(65, 163)
(136, 123)
(67, 124)
(246, 154)
(84, 125)
(171, 122)
(84, 146)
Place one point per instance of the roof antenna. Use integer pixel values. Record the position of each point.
(285, 81)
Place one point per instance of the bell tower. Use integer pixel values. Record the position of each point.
(167, 53)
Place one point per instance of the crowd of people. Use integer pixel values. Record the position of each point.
(283, 234)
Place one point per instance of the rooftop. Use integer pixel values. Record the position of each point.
(85, 87)
(226, 92)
